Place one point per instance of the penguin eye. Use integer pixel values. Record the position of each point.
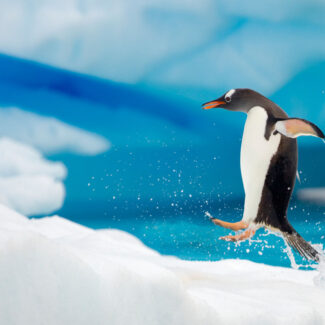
(228, 99)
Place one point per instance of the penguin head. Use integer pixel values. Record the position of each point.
(240, 100)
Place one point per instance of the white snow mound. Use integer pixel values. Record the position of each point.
(53, 271)
(29, 183)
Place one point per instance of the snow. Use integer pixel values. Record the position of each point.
(29, 183)
(48, 134)
(316, 194)
(53, 271)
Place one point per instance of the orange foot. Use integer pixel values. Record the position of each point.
(243, 236)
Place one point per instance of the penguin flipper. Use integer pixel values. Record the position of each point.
(301, 246)
(295, 127)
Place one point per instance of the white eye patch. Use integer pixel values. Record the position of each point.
(230, 93)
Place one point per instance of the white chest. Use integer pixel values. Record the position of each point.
(255, 157)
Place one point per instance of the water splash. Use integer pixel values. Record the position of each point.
(207, 214)
(319, 279)
(310, 265)
(290, 255)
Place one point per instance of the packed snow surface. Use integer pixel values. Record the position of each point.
(53, 271)
(29, 183)
(48, 134)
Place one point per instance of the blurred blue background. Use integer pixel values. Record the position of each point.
(136, 73)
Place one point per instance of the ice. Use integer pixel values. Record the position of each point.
(53, 271)
(249, 56)
(20, 159)
(98, 37)
(32, 195)
(316, 194)
(172, 43)
(49, 134)
(29, 183)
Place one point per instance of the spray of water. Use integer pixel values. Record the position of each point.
(319, 279)
(290, 255)
(319, 267)
(207, 214)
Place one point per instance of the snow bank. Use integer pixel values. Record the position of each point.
(53, 271)
(49, 134)
(316, 195)
(29, 183)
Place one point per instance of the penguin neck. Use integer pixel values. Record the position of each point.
(256, 120)
(271, 109)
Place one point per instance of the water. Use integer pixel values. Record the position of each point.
(192, 236)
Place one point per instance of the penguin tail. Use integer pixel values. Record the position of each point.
(301, 246)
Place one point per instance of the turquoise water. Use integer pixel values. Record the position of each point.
(191, 236)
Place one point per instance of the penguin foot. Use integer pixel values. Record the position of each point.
(240, 237)
(230, 225)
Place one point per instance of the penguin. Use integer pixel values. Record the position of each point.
(268, 163)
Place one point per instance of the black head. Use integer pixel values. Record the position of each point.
(240, 99)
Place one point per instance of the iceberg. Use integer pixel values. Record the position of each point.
(54, 271)
(172, 43)
(48, 134)
(29, 183)
(316, 195)
(22, 159)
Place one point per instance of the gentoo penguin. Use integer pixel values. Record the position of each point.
(268, 163)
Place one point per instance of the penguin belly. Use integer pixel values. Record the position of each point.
(255, 158)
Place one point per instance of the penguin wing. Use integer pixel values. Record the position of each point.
(295, 127)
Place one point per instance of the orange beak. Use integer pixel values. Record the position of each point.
(213, 104)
